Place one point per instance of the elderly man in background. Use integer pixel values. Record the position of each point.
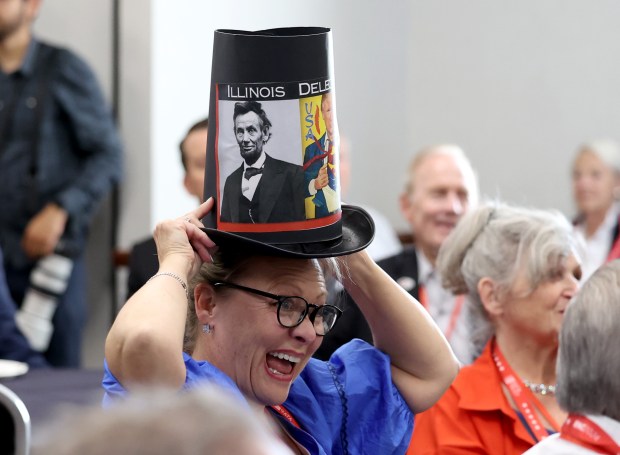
(441, 187)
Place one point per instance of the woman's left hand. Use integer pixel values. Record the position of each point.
(183, 238)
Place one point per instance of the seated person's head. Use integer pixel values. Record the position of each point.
(162, 422)
(238, 329)
(193, 150)
(596, 177)
(441, 187)
(517, 265)
(589, 360)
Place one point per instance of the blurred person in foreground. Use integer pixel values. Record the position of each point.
(520, 270)
(143, 262)
(588, 366)
(596, 190)
(202, 421)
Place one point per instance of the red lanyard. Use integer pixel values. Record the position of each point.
(456, 311)
(522, 396)
(614, 253)
(584, 432)
(284, 413)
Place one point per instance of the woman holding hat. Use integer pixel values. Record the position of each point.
(520, 271)
(253, 323)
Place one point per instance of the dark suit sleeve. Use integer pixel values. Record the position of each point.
(95, 135)
(403, 264)
(352, 324)
(312, 170)
(225, 214)
(299, 194)
(143, 264)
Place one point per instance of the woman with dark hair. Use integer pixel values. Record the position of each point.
(252, 325)
(519, 270)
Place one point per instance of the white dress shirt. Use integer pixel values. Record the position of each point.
(554, 445)
(248, 187)
(441, 304)
(597, 246)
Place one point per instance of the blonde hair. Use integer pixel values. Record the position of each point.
(228, 267)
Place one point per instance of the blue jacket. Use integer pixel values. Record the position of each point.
(347, 405)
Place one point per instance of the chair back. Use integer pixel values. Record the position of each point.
(14, 424)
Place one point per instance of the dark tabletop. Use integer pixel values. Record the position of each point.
(45, 390)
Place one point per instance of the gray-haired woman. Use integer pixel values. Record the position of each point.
(588, 366)
(596, 183)
(519, 269)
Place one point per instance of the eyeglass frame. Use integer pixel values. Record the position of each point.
(280, 299)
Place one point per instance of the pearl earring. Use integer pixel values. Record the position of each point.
(207, 328)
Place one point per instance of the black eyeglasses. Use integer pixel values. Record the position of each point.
(292, 310)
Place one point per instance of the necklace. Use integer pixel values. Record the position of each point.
(542, 389)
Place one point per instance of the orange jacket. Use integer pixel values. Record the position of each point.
(472, 417)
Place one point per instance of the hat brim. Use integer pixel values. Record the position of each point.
(358, 230)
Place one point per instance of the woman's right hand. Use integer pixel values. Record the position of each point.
(182, 239)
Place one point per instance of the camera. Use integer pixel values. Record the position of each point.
(48, 282)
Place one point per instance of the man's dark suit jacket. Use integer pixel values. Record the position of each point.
(143, 264)
(281, 196)
(312, 171)
(352, 323)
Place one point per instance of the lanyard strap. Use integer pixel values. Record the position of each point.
(454, 316)
(324, 154)
(284, 413)
(582, 431)
(522, 396)
(614, 252)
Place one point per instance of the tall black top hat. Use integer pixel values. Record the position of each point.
(272, 152)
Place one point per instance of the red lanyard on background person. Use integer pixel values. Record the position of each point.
(582, 431)
(454, 316)
(284, 413)
(614, 252)
(522, 396)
